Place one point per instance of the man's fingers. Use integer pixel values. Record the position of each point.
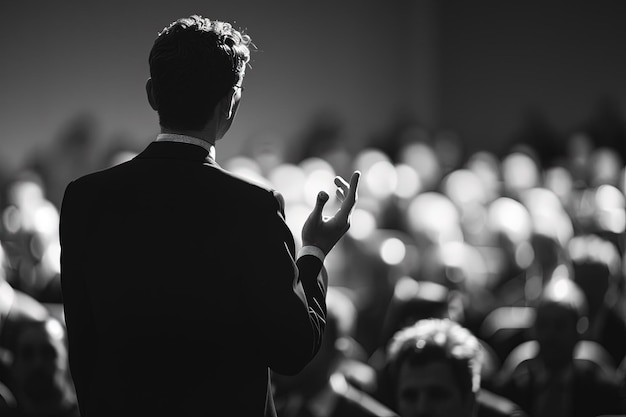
(340, 195)
(351, 196)
(354, 185)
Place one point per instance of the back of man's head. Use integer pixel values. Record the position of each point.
(193, 63)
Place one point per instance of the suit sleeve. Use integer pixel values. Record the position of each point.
(77, 308)
(287, 296)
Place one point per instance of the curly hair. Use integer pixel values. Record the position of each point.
(194, 62)
(438, 340)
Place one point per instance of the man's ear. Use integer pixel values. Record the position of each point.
(228, 104)
(150, 94)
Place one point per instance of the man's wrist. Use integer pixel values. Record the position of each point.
(312, 250)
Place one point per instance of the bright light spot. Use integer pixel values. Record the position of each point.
(392, 251)
(52, 258)
(46, 220)
(362, 224)
(295, 216)
(610, 197)
(486, 166)
(409, 183)
(560, 273)
(547, 214)
(510, 217)
(561, 287)
(26, 194)
(367, 158)
(406, 288)
(289, 180)
(559, 180)
(423, 159)
(320, 180)
(55, 330)
(436, 216)
(610, 213)
(464, 187)
(453, 254)
(381, 179)
(313, 164)
(246, 168)
(519, 171)
(242, 163)
(605, 165)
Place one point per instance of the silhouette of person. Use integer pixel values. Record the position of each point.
(555, 382)
(182, 283)
(40, 378)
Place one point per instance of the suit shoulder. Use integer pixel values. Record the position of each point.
(96, 177)
(254, 189)
(259, 185)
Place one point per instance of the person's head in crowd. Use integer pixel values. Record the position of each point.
(434, 369)
(510, 227)
(560, 319)
(604, 166)
(596, 270)
(415, 300)
(40, 376)
(197, 66)
(520, 170)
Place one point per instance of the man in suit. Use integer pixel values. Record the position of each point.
(182, 284)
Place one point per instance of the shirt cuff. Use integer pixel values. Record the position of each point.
(312, 250)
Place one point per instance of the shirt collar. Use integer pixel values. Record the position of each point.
(174, 137)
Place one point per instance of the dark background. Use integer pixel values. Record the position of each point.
(487, 69)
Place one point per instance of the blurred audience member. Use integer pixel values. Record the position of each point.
(416, 300)
(40, 376)
(30, 238)
(596, 268)
(330, 385)
(71, 154)
(434, 368)
(553, 383)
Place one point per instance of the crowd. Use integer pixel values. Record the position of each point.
(493, 283)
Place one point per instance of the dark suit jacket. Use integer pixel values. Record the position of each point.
(180, 289)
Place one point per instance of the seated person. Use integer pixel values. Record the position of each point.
(40, 376)
(433, 368)
(416, 300)
(554, 383)
(596, 269)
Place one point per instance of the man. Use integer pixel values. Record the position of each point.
(434, 370)
(181, 283)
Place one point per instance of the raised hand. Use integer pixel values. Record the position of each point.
(325, 232)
